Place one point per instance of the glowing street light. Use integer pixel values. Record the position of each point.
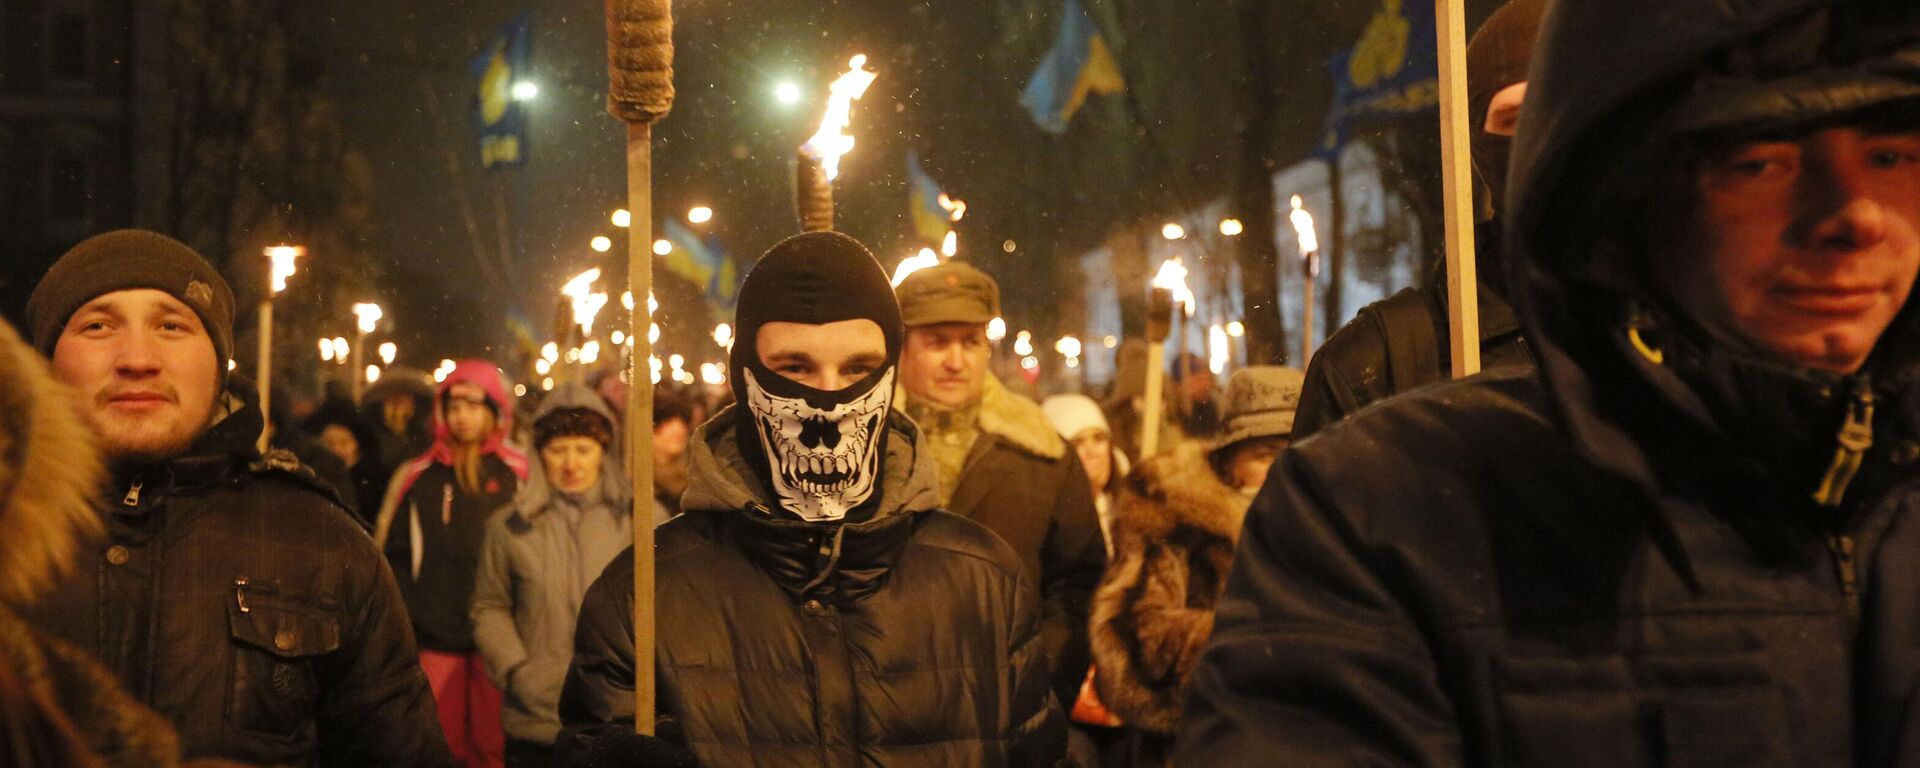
(525, 90)
(1172, 231)
(601, 243)
(373, 373)
(700, 214)
(1231, 227)
(623, 218)
(662, 247)
(388, 350)
(996, 329)
(787, 92)
(1236, 329)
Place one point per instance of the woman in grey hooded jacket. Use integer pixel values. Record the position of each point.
(570, 518)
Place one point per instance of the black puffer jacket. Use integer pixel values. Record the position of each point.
(1603, 564)
(910, 639)
(239, 599)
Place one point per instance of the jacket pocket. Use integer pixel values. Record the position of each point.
(273, 688)
(1677, 710)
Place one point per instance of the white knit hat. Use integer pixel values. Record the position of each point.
(1071, 415)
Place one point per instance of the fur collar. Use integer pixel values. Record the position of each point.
(1180, 488)
(50, 475)
(1018, 421)
(1010, 417)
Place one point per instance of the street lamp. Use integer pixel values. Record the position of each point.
(388, 351)
(787, 92)
(367, 320)
(623, 218)
(280, 260)
(700, 214)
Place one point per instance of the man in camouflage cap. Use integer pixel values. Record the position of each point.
(1000, 462)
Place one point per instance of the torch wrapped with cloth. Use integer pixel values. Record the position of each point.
(639, 92)
(820, 156)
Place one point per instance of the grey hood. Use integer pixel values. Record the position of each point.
(536, 494)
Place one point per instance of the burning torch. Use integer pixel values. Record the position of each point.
(1310, 264)
(366, 320)
(1169, 286)
(639, 92)
(280, 260)
(820, 156)
(586, 304)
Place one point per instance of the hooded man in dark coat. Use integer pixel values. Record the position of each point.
(234, 594)
(1686, 540)
(815, 607)
(1399, 343)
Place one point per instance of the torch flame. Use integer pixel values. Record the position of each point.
(956, 208)
(950, 244)
(914, 263)
(586, 302)
(832, 140)
(1219, 351)
(1173, 277)
(368, 315)
(283, 256)
(1303, 227)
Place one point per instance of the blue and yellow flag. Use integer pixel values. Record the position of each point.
(499, 118)
(1392, 71)
(930, 218)
(1078, 64)
(700, 261)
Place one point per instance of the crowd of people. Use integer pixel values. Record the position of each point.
(1666, 527)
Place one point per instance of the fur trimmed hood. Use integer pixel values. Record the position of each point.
(1175, 525)
(50, 474)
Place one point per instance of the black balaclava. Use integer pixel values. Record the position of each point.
(820, 453)
(1497, 57)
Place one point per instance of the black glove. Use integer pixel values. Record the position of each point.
(619, 746)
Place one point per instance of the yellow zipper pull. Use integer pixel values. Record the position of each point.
(1855, 437)
(132, 499)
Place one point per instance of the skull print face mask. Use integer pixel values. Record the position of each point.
(823, 458)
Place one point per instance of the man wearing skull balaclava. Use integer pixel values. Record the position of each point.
(1400, 343)
(811, 577)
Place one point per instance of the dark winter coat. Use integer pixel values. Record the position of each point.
(1022, 481)
(431, 529)
(1174, 528)
(909, 639)
(1593, 565)
(1401, 343)
(238, 598)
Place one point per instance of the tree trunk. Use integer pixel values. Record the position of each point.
(1258, 247)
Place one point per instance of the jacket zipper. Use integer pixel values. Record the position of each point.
(1847, 570)
(1854, 438)
(132, 499)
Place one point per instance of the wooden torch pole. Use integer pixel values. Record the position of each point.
(1456, 176)
(640, 91)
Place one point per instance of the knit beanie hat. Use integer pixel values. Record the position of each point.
(127, 259)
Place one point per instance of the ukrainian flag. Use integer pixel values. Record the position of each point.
(1078, 64)
(930, 218)
(700, 261)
